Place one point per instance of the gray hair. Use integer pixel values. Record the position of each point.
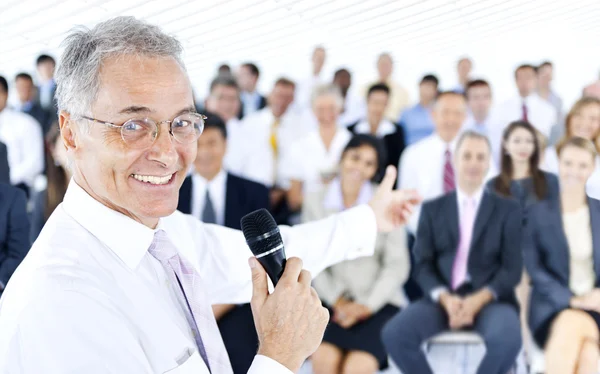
(78, 74)
(328, 90)
(472, 134)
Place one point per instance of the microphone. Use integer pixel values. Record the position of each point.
(263, 237)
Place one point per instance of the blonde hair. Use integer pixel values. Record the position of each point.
(581, 143)
(575, 109)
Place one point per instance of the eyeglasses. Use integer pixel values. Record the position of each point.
(142, 132)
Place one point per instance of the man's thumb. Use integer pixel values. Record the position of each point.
(387, 184)
(260, 285)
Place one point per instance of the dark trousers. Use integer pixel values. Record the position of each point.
(240, 338)
(497, 323)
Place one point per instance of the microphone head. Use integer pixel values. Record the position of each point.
(261, 231)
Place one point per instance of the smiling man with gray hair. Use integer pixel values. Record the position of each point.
(118, 281)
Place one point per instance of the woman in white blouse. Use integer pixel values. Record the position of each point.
(362, 294)
(582, 121)
(562, 256)
(312, 161)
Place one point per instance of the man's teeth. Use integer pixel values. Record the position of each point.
(153, 179)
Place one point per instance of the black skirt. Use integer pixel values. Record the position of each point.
(364, 336)
(543, 332)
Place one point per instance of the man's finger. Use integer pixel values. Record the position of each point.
(260, 284)
(305, 278)
(291, 273)
(387, 184)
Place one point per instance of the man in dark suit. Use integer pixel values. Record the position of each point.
(28, 103)
(468, 263)
(251, 100)
(46, 91)
(4, 168)
(14, 231)
(216, 196)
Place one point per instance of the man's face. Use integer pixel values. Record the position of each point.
(479, 100)
(385, 66)
(318, 59)
(545, 75)
(246, 80)
(427, 91)
(376, 104)
(343, 80)
(526, 79)
(3, 99)
(448, 116)
(211, 151)
(472, 160)
(24, 89)
(133, 87)
(224, 101)
(280, 99)
(464, 68)
(46, 70)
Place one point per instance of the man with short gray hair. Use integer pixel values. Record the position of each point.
(120, 282)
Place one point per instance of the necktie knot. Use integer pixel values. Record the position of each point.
(161, 248)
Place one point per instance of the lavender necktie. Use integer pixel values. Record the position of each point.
(187, 284)
(467, 221)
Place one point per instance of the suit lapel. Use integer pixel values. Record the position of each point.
(185, 196)
(230, 201)
(452, 209)
(486, 207)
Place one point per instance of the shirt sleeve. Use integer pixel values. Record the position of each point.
(224, 253)
(264, 364)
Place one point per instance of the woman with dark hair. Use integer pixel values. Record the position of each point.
(520, 176)
(57, 179)
(362, 294)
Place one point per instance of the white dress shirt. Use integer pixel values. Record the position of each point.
(89, 298)
(422, 168)
(550, 165)
(490, 127)
(385, 127)
(540, 113)
(304, 91)
(250, 101)
(259, 164)
(217, 189)
(236, 147)
(23, 137)
(308, 160)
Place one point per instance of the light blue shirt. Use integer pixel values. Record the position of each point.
(251, 101)
(417, 123)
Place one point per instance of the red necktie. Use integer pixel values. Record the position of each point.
(525, 113)
(448, 172)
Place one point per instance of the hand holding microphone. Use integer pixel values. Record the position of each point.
(291, 321)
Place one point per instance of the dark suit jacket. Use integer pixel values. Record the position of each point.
(14, 230)
(546, 252)
(53, 111)
(394, 144)
(4, 168)
(495, 258)
(261, 104)
(242, 197)
(552, 191)
(41, 115)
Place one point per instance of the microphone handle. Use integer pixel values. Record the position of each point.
(274, 264)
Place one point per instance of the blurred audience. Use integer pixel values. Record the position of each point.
(216, 196)
(312, 161)
(224, 70)
(4, 168)
(251, 100)
(26, 92)
(359, 306)
(399, 98)
(468, 263)
(528, 106)
(47, 86)
(583, 120)
(562, 255)
(58, 175)
(463, 70)
(593, 89)
(545, 91)
(377, 125)
(302, 100)
(417, 121)
(23, 138)
(354, 108)
(14, 231)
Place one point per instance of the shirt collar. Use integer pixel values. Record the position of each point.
(384, 128)
(127, 238)
(334, 200)
(219, 179)
(451, 145)
(462, 197)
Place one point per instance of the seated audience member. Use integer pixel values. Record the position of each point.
(427, 165)
(354, 107)
(306, 84)
(583, 120)
(417, 121)
(377, 125)
(359, 305)
(468, 263)
(520, 176)
(4, 168)
(399, 97)
(527, 105)
(46, 91)
(562, 256)
(27, 101)
(545, 74)
(23, 138)
(215, 196)
(251, 100)
(312, 161)
(14, 231)
(57, 179)
(463, 70)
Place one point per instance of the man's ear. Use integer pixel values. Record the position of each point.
(67, 130)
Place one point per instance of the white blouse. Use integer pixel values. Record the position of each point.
(581, 263)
